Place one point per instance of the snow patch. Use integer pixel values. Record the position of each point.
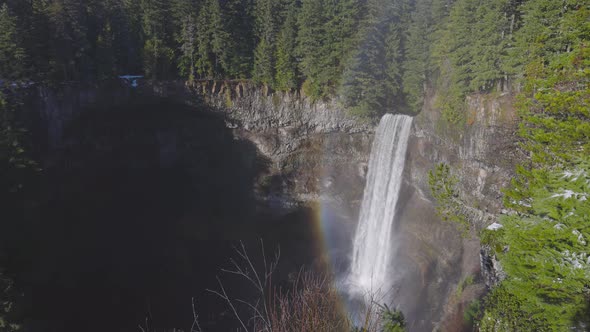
(581, 239)
(494, 227)
(567, 194)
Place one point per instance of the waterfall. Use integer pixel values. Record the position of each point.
(372, 246)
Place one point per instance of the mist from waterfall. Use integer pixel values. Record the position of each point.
(372, 246)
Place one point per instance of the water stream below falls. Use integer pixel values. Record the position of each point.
(372, 246)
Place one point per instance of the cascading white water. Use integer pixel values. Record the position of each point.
(372, 247)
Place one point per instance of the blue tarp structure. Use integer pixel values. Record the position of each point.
(131, 79)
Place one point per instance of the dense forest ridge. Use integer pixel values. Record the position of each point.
(376, 54)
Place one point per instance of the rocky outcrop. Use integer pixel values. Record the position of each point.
(491, 270)
(314, 148)
(257, 109)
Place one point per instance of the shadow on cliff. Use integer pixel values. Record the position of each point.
(138, 209)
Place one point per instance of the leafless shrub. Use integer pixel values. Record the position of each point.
(311, 304)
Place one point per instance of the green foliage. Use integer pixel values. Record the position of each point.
(417, 52)
(506, 311)
(546, 261)
(188, 48)
(372, 82)
(263, 63)
(327, 36)
(267, 19)
(467, 281)
(471, 53)
(492, 238)
(443, 188)
(11, 53)
(157, 58)
(286, 73)
(472, 313)
(393, 320)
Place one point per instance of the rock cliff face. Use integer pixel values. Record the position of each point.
(481, 154)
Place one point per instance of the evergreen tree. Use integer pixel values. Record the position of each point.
(372, 83)
(70, 46)
(11, 53)
(417, 53)
(547, 261)
(184, 16)
(343, 23)
(105, 53)
(180, 10)
(263, 63)
(188, 48)
(213, 41)
(267, 22)
(205, 59)
(394, 57)
(286, 77)
(489, 45)
(240, 38)
(328, 32)
(311, 38)
(158, 56)
(129, 36)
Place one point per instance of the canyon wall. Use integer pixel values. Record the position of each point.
(313, 150)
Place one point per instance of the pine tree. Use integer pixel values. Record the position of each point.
(311, 38)
(241, 41)
(180, 10)
(157, 54)
(394, 56)
(129, 36)
(267, 18)
(342, 28)
(328, 33)
(11, 53)
(188, 48)
(264, 63)
(372, 83)
(184, 17)
(205, 59)
(105, 53)
(286, 77)
(70, 45)
(220, 39)
(417, 53)
(489, 45)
